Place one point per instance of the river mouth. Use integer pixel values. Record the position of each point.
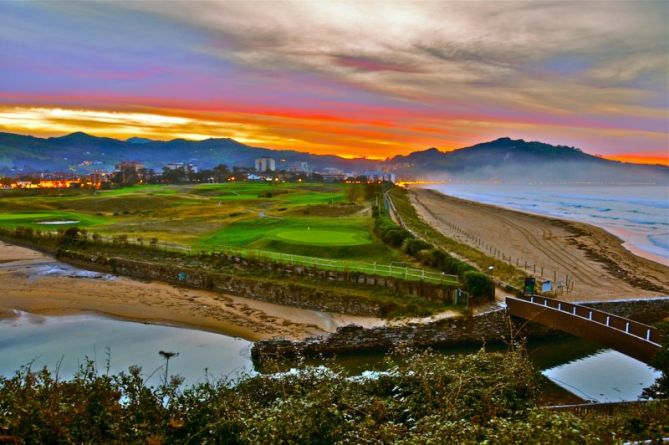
(58, 223)
(572, 365)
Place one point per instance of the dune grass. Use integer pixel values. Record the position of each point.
(503, 270)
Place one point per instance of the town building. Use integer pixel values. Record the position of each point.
(265, 164)
(299, 167)
(131, 172)
(181, 165)
(331, 174)
(379, 176)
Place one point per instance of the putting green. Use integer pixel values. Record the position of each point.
(320, 237)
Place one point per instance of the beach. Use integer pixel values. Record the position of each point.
(36, 283)
(593, 261)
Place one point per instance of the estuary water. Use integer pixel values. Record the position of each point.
(66, 342)
(639, 215)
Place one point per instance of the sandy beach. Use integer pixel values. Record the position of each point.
(592, 258)
(33, 282)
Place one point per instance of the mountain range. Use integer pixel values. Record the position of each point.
(503, 159)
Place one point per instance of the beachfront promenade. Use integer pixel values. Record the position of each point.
(630, 337)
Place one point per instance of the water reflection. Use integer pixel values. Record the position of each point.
(606, 376)
(69, 340)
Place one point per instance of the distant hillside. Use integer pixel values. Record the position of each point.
(81, 152)
(520, 161)
(503, 159)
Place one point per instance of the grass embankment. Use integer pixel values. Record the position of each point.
(501, 269)
(424, 399)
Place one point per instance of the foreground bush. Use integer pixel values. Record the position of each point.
(422, 398)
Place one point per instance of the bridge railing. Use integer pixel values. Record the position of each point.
(631, 327)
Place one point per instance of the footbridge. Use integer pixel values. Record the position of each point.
(630, 337)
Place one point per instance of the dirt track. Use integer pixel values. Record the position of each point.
(589, 257)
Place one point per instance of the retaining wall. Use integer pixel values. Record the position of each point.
(285, 292)
(646, 310)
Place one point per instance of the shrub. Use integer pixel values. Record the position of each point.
(70, 236)
(660, 389)
(479, 286)
(395, 237)
(413, 246)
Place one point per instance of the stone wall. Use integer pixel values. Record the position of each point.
(645, 310)
(491, 327)
(428, 291)
(276, 291)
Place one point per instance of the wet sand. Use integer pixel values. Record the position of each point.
(33, 282)
(593, 259)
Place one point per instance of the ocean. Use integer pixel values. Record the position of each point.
(639, 215)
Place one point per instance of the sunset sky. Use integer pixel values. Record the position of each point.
(356, 78)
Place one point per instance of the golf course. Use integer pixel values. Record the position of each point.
(315, 220)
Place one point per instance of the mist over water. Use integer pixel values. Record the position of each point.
(639, 215)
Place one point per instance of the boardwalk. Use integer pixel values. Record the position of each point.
(630, 337)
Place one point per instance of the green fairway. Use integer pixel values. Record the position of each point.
(324, 237)
(47, 220)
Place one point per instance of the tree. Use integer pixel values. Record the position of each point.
(355, 193)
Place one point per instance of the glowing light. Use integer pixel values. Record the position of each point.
(640, 159)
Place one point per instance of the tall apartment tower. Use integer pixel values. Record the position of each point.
(265, 165)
